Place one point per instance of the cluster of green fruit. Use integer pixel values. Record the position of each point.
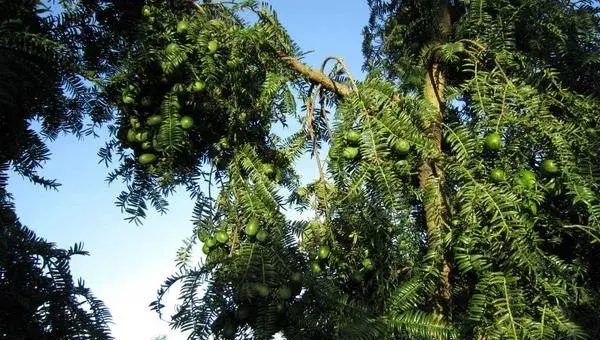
(253, 230)
(350, 152)
(142, 136)
(525, 178)
(323, 253)
(220, 238)
(278, 298)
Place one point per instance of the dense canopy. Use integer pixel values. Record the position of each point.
(458, 194)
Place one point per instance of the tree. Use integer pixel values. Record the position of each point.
(459, 198)
(44, 59)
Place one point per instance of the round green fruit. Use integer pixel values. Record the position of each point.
(350, 153)
(296, 277)
(222, 236)
(171, 48)
(212, 45)
(133, 121)
(401, 147)
(493, 141)
(262, 290)
(154, 120)
(324, 251)
(262, 235)
(146, 145)
(131, 136)
(498, 175)
(147, 12)
(128, 100)
(353, 137)
(284, 292)
(367, 263)
(211, 242)
(186, 122)
(243, 116)
(147, 158)
(526, 178)
(315, 267)
(205, 249)
(549, 167)
(252, 227)
(198, 86)
(141, 136)
(182, 26)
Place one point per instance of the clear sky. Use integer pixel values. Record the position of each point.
(128, 263)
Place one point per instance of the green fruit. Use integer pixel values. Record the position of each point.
(284, 292)
(146, 101)
(141, 136)
(296, 277)
(154, 120)
(324, 251)
(171, 48)
(262, 235)
(350, 153)
(315, 267)
(526, 179)
(146, 11)
(401, 147)
(549, 167)
(268, 169)
(211, 242)
(493, 141)
(252, 227)
(147, 158)
(243, 116)
(146, 145)
(353, 137)
(212, 45)
(367, 263)
(262, 290)
(205, 249)
(186, 122)
(498, 175)
(198, 86)
(131, 136)
(222, 236)
(182, 26)
(128, 100)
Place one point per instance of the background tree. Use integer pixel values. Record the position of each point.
(48, 65)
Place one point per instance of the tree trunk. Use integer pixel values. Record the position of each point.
(431, 182)
(431, 175)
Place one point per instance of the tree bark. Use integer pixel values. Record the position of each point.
(431, 181)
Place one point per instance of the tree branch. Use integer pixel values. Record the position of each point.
(314, 75)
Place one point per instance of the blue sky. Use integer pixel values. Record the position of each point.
(128, 262)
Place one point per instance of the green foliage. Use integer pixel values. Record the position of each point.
(40, 299)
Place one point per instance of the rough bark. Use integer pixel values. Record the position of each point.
(431, 181)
